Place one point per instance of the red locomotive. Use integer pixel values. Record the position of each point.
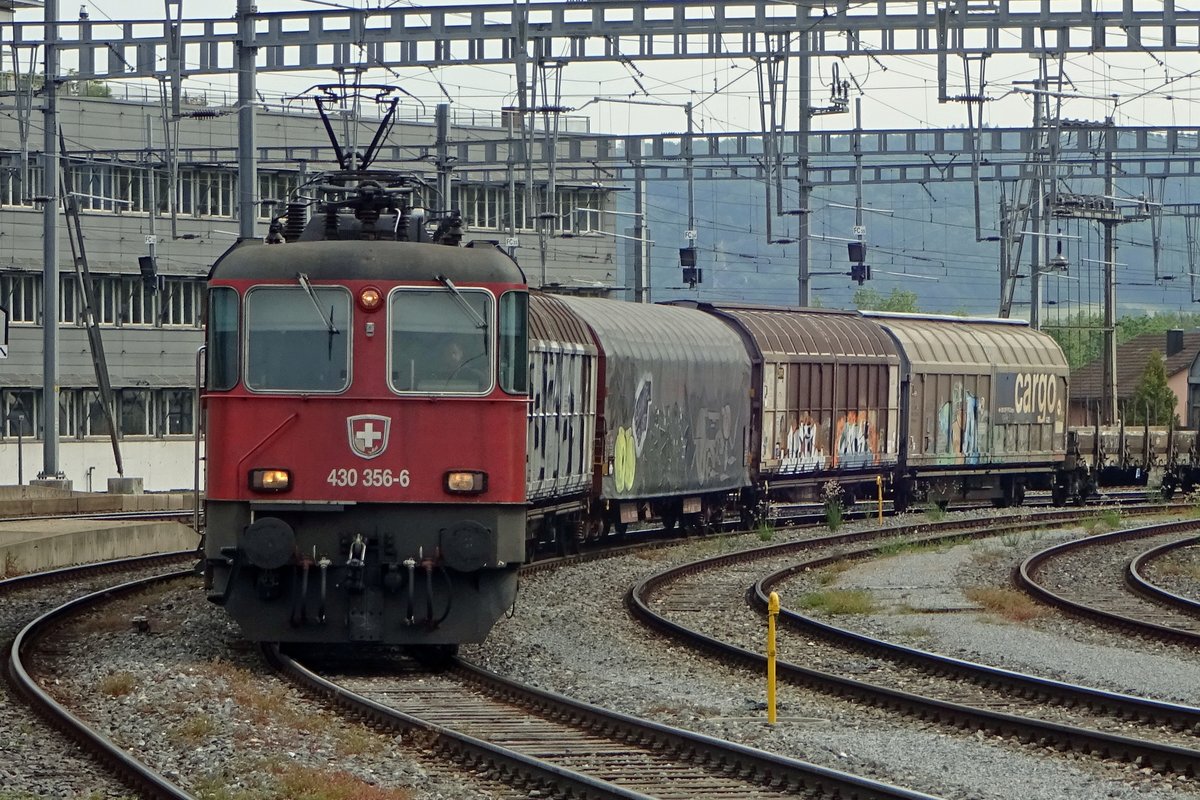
(366, 403)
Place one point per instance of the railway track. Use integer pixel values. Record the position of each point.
(517, 734)
(1135, 574)
(557, 746)
(1114, 595)
(1149, 734)
(751, 779)
(130, 771)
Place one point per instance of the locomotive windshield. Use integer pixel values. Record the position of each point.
(222, 338)
(297, 339)
(441, 340)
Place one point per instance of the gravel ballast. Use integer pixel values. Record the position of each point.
(188, 714)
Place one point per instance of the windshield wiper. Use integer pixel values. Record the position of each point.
(480, 322)
(304, 284)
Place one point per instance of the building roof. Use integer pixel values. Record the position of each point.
(1132, 357)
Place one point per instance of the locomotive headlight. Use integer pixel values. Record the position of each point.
(270, 480)
(466, 482)
(370, 298)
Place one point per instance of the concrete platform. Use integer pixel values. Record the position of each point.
(34, 501)
(37, 545)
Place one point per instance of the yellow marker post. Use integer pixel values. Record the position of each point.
(772, 613)
(879, 485)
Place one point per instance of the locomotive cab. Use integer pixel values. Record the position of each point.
(365, 409)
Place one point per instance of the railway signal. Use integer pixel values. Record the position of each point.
(859, 271)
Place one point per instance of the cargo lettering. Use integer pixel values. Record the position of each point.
(1036, 394)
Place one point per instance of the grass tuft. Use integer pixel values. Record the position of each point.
(117, 684)
(195, 730)
(1008, 603)
(830, 573)
(839, 601)
(934, 512)
(304, 783)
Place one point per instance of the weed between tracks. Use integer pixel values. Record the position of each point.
(934, 512)
(195, 730)
(118, 614)
(1008, 603)
(897, 547)
(839, 601)
(294, 782)
(830, 573)
(1109, 519)
(12, 568)
(117, 684)
(1178, 569)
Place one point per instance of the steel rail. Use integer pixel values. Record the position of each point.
(755, 767)
(129, 770)
(1160, 757)
(1133, 575)
(1177, 716)
(445, 741)
(1024, 577)
(76, 571)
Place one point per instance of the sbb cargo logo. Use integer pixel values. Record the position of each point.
(1028, 397)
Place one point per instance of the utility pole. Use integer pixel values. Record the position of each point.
(247, 95)
(804, 74)
(1037, 196)
(442, 118)
(640, 268)
(50, 285)
(1109, 390)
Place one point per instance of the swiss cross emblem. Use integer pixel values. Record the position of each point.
(368, 434)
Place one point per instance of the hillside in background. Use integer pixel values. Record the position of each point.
(921, 238)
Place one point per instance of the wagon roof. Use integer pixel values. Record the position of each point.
(778, 331)
(951, 341)
(551, 320)
(367, 260)
(659, 332)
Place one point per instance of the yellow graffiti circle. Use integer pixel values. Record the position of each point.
(630, 459)
(624, 460)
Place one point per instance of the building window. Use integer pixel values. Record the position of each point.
(68, 412)
(275, 189)
(135, 413)
(177, 407)
(179, 300)
(22, 296)
(13, 188)
(20, 409)
(137, 302)
(95, 421)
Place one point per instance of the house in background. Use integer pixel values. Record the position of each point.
(1179, 350)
